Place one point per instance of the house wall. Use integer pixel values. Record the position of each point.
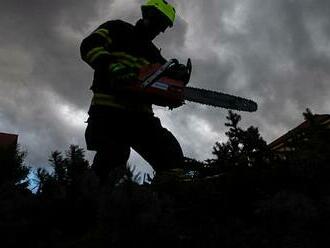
(7, 139)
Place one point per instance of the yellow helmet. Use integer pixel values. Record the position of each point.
(161, 6)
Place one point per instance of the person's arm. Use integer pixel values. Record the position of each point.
(94, 48)
(98, 51)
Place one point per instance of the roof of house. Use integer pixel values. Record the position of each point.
(8, 139)
(279, 142)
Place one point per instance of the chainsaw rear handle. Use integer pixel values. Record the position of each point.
(150, 79)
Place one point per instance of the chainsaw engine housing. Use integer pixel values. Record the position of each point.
(163, 91)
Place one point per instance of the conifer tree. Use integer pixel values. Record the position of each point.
(68, 172)
(75, 162)
(244, 148)
(13, 169)
(58, 163)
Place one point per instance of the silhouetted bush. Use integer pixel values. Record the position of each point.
(13, 170)
(246, 196)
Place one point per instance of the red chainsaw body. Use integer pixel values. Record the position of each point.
(164, 91)
(165, 85)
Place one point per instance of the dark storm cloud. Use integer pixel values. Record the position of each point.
(275, 52)
(40, 68)
(279, 53)
(49, 32)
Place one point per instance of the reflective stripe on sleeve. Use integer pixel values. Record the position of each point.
(129, 60)
(105, 34)
(95, 53)
(116, 67)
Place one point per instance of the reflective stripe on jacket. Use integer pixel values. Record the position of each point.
(113, 101)
(111, 43)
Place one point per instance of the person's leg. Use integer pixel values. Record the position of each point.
(107, 137)
(157, 145)
(108, 159)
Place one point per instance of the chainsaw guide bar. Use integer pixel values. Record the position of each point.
(219, 99)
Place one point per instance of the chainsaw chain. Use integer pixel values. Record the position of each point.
(228, 101)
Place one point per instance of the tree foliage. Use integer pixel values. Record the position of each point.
(13, 170)
(246, 196)
(244, 148)
(68, 172)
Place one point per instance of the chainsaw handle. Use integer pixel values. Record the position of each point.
(157, 73)
(173, 62)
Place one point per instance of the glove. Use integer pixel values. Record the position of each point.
(179, 72)
(122, 73)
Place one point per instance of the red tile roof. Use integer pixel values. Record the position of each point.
(279, 143)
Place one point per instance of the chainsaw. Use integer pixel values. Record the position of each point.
(157, 86)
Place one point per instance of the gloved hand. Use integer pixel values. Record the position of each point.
(122, 73)
(179, 72)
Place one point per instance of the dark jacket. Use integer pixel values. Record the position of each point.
(117, 42)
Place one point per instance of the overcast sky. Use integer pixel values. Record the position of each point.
(274, 52)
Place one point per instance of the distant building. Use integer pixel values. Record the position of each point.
(281, 143)
(7, 139)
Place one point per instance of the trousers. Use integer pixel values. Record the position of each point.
(113, 133)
